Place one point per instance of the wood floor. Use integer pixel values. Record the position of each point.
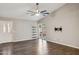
(36, 47)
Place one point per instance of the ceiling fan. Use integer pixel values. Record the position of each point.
(37, 12)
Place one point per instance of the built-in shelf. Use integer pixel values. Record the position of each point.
(34, 32)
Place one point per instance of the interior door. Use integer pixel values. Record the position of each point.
(42, 31)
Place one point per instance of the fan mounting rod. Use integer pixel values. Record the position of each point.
(37, 7)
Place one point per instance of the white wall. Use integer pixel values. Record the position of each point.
(23, 30)
(68, 18)
(20, 30)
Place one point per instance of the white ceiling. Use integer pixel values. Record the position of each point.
(18, 10)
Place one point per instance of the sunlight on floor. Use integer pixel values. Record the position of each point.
(7, 50)
(42, 47)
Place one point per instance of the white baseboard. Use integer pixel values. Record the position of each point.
(22, 40)
(64, 44)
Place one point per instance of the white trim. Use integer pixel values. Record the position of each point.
(64, 44)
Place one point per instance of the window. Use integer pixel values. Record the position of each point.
(5, 26)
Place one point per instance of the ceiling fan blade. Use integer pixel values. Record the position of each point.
(44, 14)
(43, 11)
(30, 11)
